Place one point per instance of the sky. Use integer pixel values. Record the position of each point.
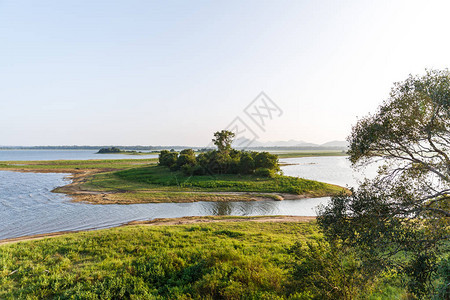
(173, 72)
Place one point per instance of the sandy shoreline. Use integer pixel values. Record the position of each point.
(169, 222)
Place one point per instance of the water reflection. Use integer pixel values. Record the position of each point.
(27, 205)
(240, 208)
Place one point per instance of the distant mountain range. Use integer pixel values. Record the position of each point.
(243, 142)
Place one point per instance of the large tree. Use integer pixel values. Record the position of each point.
(223, 140)
(405, 209)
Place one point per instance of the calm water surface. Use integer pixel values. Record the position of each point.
(27, 205)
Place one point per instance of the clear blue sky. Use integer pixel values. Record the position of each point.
(172, 72)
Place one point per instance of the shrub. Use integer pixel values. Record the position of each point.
(246, 163)
(168, 159)
(216, 162)
(264, 172)
(267, 160)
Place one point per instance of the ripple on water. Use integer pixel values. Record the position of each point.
(27, 205)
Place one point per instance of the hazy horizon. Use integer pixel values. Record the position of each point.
(172, 73)
(181, 145)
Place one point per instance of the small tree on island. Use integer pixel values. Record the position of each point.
(223, 140)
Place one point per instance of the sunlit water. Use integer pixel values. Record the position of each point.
(27, 205)
(330, 169)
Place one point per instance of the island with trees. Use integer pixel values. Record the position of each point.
(223, 174)
(116, 150)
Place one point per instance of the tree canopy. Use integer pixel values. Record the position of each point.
(225, 160)
(405, 209)
(223, 140)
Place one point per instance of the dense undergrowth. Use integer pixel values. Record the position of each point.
(244, 260)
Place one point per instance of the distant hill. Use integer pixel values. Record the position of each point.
(291, 144)
(343, 144)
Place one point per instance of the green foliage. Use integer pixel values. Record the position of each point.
(246, 163)
(324, 272)
(217, 162)
(265, 172)
(168, 158)
(401, 217)
(74, 165)
(208, 261)
(224, 260)
(266, 160)
(443, 279)
(223, 139)
(187, 157)
(161, 176)
(109, 150)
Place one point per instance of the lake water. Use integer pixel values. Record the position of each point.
(329, 169)
(27, 205)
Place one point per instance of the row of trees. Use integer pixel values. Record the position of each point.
(225, 160)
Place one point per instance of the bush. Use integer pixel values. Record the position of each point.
(185, 159)
(216, 162)
(168, 159)
(109, 150)
(246, 163)
(267, 160)
(324, 271)
(264, 172)
(198, 170)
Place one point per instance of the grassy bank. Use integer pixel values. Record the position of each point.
(159, 184)
(231, 260)
(73, 166)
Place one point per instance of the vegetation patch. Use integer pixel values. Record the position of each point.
(161, 178)
(239, 260)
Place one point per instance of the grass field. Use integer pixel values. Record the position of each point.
(160, 176)
(75, 165)
(159, 184)
(241, 260)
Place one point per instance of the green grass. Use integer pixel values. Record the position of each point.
(158, 177)
(113, 164)
(244, 260)
(215, 260)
